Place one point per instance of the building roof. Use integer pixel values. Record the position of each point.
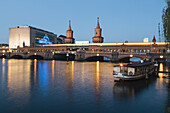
(27, 26)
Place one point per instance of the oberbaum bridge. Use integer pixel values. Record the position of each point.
(92, 51)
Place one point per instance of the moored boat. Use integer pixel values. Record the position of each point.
(132, 71)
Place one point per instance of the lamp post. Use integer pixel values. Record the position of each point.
(131, 55)
(161, 56)
(67, 55)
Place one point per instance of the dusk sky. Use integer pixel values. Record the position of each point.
(120, 20)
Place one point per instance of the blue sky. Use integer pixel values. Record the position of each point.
(120, 20)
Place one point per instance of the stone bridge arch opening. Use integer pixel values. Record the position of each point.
(98, 58)
(128, 59)
(160, 59)
(39, 57)
(3, 56)
(16, 57)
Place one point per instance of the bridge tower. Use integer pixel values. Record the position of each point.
(154, 40)
(69, 38)
(98, 34)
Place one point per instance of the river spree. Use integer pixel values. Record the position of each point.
(35, 86)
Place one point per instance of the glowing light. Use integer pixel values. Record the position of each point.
(35, 70)
(109, 44)
(131, 55)
(72, 71)
(53, 62)
(3, 51)
(35, 53)
(3, 60)
(45, 40)
(97, 76)
(97, 67)
(121, 65)
(97, 54)
(3, 54)
(161, 69)
(161, 56)
(3, 69)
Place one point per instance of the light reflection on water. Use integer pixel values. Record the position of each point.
(59, 86)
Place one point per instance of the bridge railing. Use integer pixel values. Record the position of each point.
(127, 53)
(124, 53)
(98, 52)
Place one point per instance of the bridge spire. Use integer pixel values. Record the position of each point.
(69, 37)
(69, 28)
(98, 25)
(154, 40)
(98, 33)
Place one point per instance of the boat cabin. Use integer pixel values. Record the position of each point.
(130, 69)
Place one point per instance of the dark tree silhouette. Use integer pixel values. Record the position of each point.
(166, 31)
(166, 28)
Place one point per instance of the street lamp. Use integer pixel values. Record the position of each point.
(131, 55)
(67, 55)
(161, 56)
(121, 65)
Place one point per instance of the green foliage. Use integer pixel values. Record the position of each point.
(166, 24)
(166, 27)
(166, 31)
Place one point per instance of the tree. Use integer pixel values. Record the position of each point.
(166, 32)
(166, 27)
(166, 23)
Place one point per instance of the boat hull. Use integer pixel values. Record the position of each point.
(134, 77)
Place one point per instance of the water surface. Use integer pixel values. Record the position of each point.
(35, 86)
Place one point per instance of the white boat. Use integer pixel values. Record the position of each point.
(132, 71)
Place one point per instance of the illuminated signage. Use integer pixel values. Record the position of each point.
(45, 40)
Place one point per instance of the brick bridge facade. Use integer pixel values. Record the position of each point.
(113, 51)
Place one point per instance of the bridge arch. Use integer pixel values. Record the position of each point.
(16, 57)
(98, 58)
(36, 57)
(159, 59)
(127, 58)
(3, 56)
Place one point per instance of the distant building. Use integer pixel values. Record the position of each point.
(126, 41)
(146, 40)
(30, 36)
(61, 39)
(4, 48)
(82, 42)
(4, 45)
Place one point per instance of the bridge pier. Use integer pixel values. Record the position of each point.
(80, 55)
(83, 55)
(115, 57)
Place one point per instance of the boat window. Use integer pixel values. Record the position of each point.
(121, 69)
(126, 69)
